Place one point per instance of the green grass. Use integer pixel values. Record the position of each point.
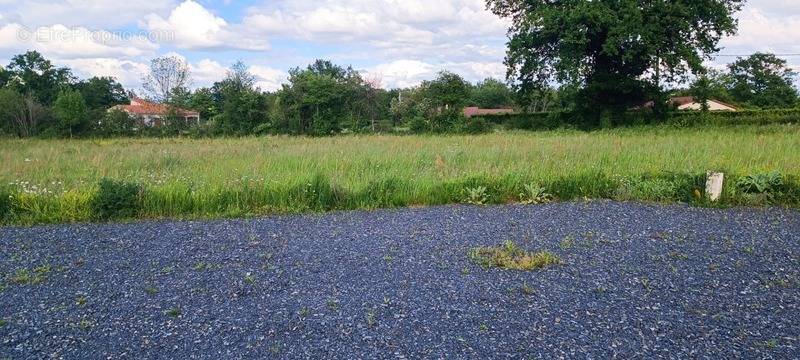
(53, 181)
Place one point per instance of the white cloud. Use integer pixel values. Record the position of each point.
(407, 73)
(267, 78)
(73, 42)
(192, 26)
(84, 13)
(392, 25)
(127, 72)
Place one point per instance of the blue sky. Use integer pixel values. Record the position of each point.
(394, 42)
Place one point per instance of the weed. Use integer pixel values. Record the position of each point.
(534, 194)
(30, 277)
(249, 279)
(748, 249)
(85, 324)
(370, 319)
(676, 255)
(511, 256)
(476, 195)
(332, 304)
(527, 290)
(465, 271)
(304, 312)
(203, 266)
(771, 343)
(567, 243)
(483, 328)
(80, 300)
(764, 183)
(645, 282)
(174, 312)
(151, 290)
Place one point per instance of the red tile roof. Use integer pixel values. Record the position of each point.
(144, 107)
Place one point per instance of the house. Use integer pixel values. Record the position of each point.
(476, 111)
(152, 114)
(690, 103)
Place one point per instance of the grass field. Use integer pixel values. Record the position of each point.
(54, 180)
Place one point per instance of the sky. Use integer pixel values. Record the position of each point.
(396, 43)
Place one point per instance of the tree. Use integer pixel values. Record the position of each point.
(30, 73)
(448, 90)
(491, 94)
(20, 114)
(763, 80)
(116, 123)
(609, 48)
(165, 75)
(102, 92)
(321, 98)
(243, 107)
(70, 110)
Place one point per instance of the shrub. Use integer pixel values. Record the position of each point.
(116, 200)
(512, 257)
(765, 183)
(418, 125)
(476, 125)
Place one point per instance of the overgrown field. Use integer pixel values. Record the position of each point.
(47, 181)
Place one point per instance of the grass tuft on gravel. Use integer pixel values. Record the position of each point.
(512, 257)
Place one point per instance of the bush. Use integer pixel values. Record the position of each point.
(418, 125)
(766, 183)
(116, 200)
(476, 125)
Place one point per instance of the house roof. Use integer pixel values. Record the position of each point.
(143, 107)
(476, 111)
(685, 100)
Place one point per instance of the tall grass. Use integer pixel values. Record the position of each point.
(55, 180)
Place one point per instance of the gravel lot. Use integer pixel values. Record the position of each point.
(637, 281)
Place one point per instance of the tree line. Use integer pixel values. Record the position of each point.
(38, 98)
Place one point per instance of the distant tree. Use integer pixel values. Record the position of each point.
(20, 114)
(116, 123)
(102, 92)
(491, 94)
(30, 73)
(763, 80)
(203, 101)
(320, 99)
(448, 90)
(609, 48)
(164, 76)
(243, 107)
(70, 110)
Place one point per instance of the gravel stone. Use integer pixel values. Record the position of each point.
(637, 281)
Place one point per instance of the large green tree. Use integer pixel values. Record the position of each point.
(763, 80)
(30, 73)
(243, 107)
(619, 52)
(491, 94)
(102, 92)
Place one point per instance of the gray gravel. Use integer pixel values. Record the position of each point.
(638, 281)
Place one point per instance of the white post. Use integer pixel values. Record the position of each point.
(714, 182)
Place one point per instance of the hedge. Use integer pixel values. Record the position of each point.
(555, 120)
